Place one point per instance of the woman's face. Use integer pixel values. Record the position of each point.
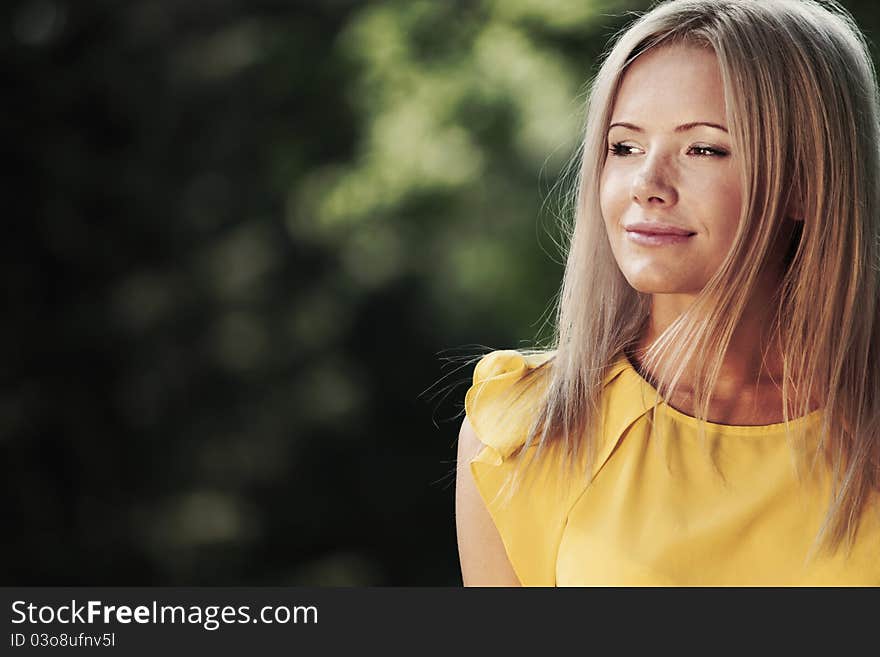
(667, 167)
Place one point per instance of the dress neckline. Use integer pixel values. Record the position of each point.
(651, 393)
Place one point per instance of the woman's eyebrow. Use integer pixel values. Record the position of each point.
(684, 127)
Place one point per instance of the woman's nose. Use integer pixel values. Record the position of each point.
(652, 184)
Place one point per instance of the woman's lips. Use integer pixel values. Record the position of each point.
(656, 239)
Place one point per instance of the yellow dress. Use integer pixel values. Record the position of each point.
(661, 511)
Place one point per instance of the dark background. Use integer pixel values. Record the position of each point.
(249, 248)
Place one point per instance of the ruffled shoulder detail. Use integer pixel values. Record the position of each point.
(508, 388)
(504, 398)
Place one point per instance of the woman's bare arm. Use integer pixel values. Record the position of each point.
(483, 559)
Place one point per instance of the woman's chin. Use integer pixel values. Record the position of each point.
(654, 285)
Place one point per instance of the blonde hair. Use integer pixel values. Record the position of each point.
(805, 70)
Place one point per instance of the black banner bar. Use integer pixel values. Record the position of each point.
(330, 621)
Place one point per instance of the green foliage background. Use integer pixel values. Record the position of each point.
(247, 245)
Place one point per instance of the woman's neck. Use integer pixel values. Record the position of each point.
(753, 356)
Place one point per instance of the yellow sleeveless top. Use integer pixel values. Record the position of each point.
(661, 511)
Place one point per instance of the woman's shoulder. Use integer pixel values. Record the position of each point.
(501, 404)
(507, 389)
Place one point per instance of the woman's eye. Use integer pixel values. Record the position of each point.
(619, 149)
(708, 150)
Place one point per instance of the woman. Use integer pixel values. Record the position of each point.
(709, 410)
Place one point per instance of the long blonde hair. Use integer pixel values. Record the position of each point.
(802, 106)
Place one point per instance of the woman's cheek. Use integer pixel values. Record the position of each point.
(612, 197)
